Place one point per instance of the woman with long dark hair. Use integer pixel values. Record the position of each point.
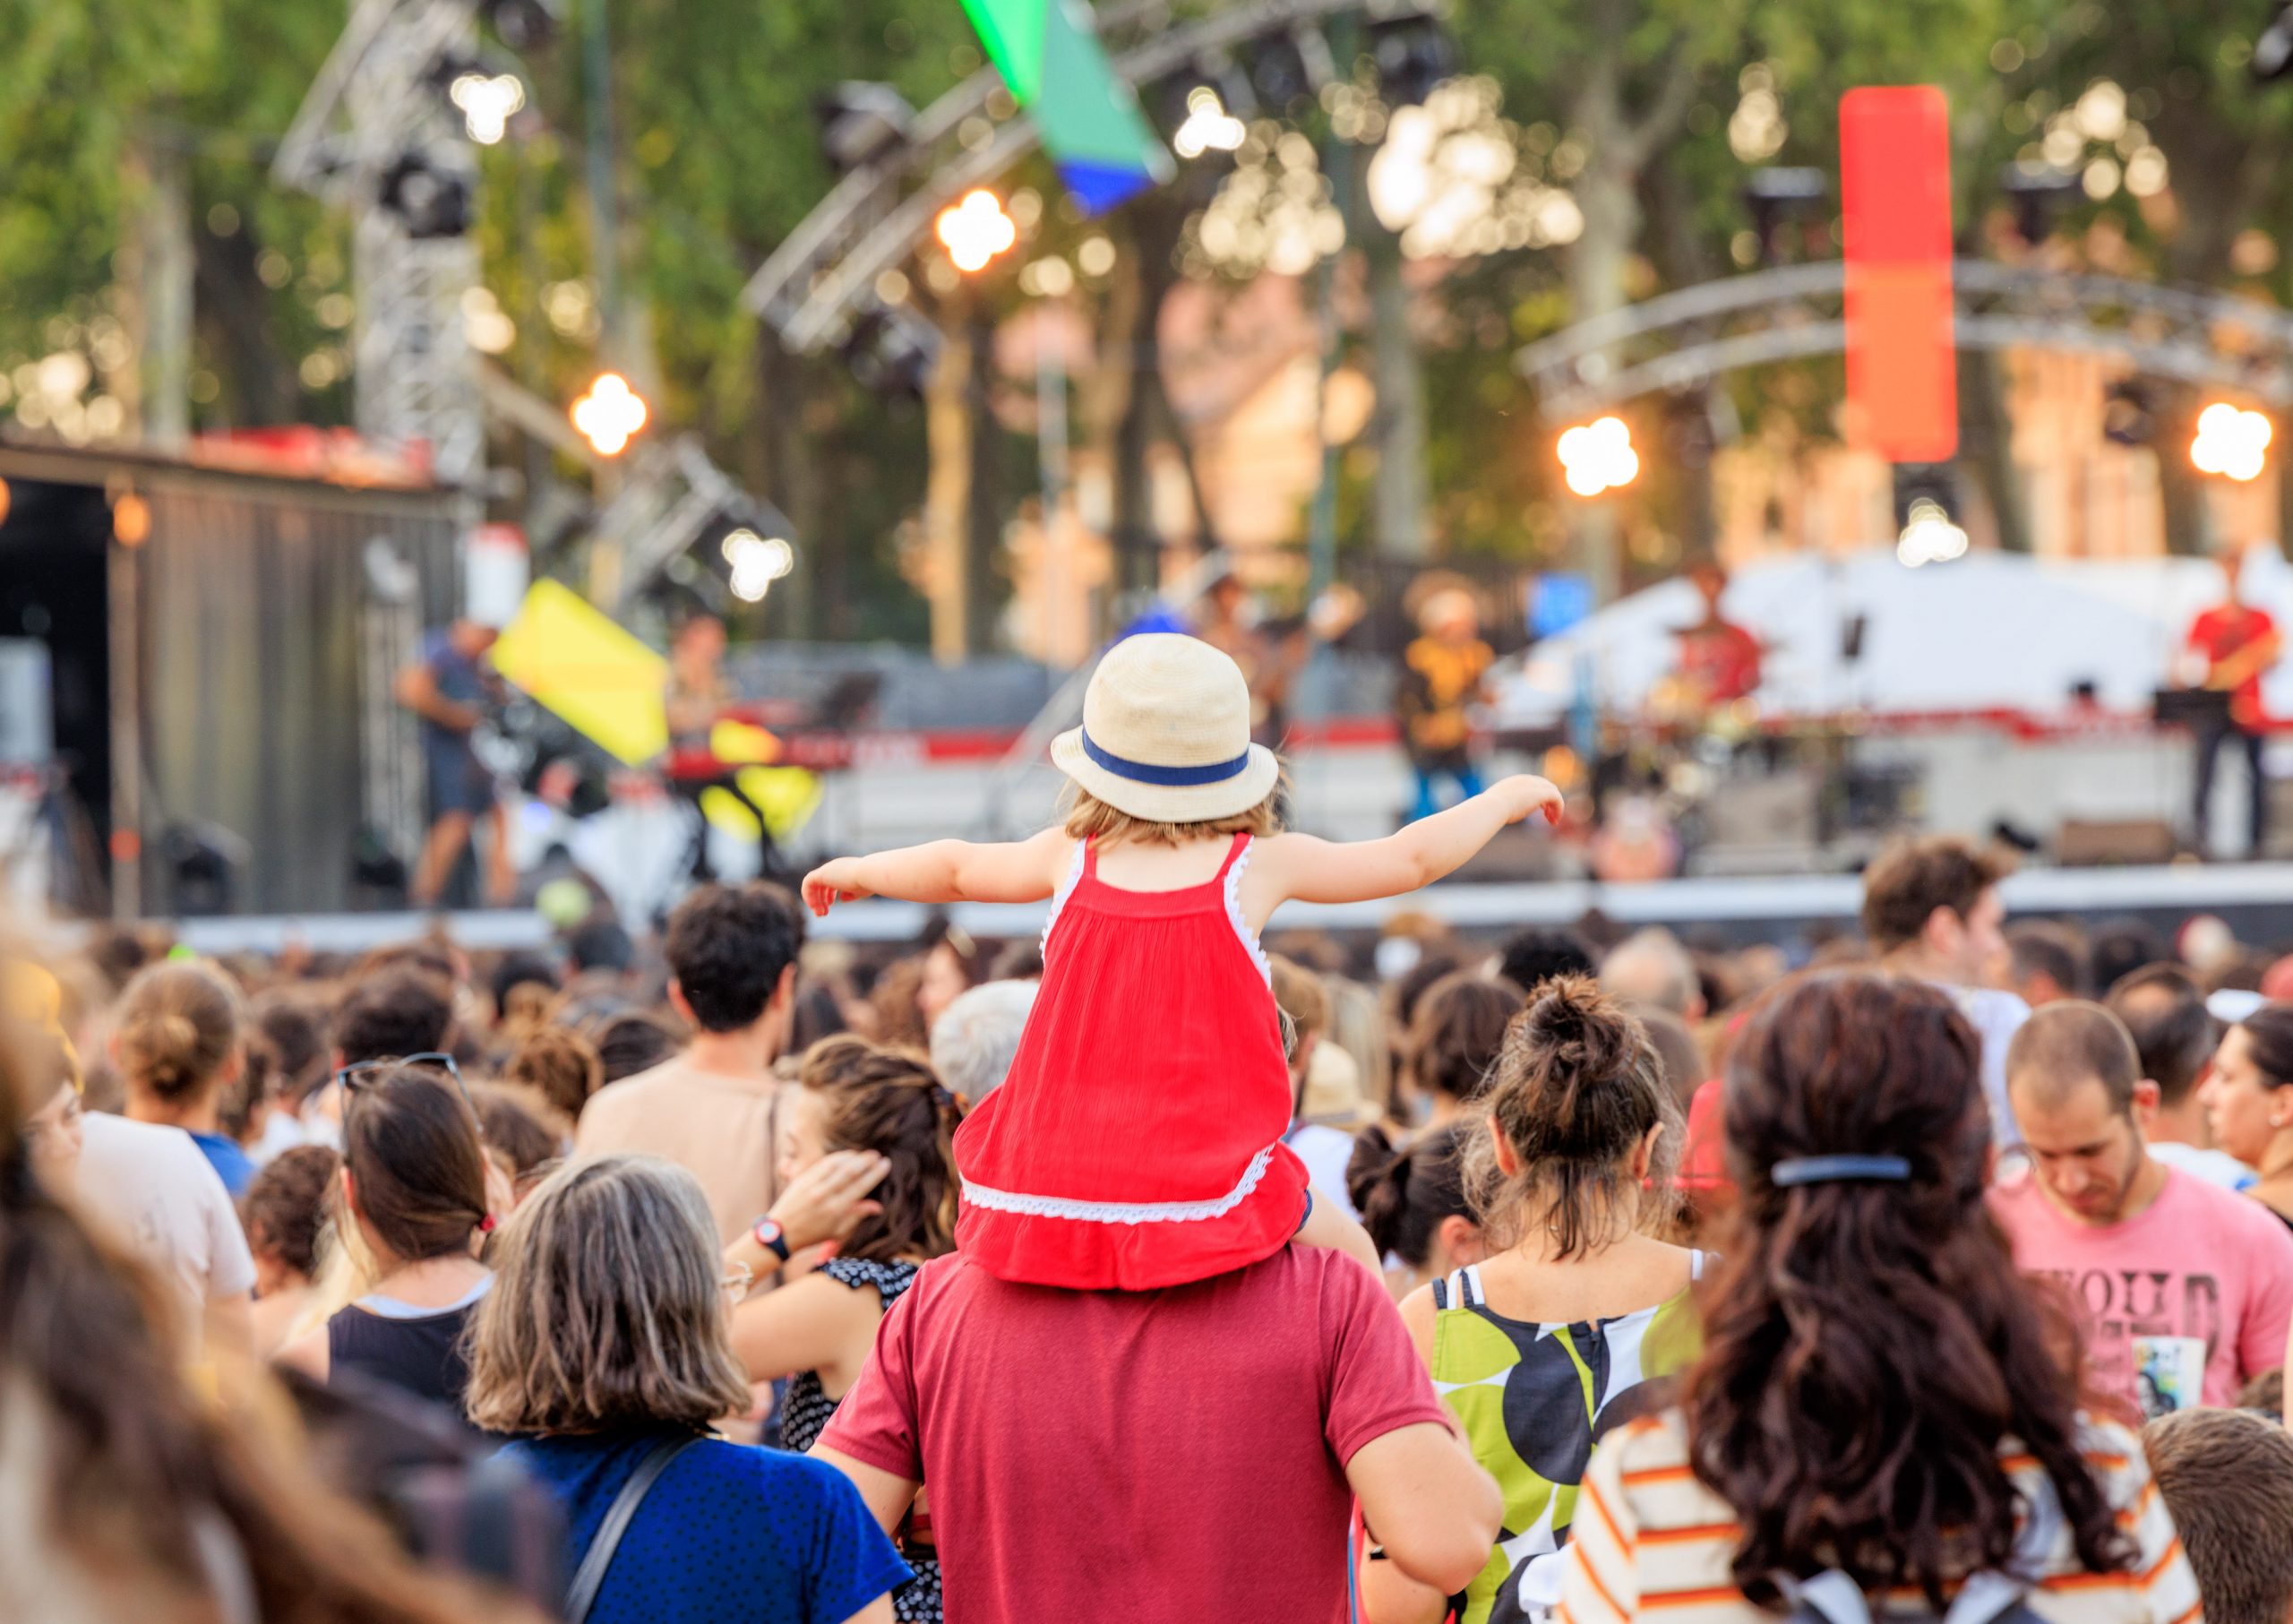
(887, 1103)
(412, 1192)
(1412, 1198)
(1882, 1404)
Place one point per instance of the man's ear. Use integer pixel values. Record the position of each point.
(1941, 932)
(2146, 1096)
(784, 993)
(677, 1002)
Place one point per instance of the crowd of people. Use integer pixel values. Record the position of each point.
(1942, 1266)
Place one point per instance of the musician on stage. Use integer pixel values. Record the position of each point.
(447, 689)
(2237, 644)
(1719, 660)
(696, 698)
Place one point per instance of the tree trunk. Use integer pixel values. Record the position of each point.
(983, 533)
(946, 487)
(156, 268)
(1156, 221)
(1986, 442)
(1397, 498)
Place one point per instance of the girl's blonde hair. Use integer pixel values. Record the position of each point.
(1088, 818)
(179, 1024)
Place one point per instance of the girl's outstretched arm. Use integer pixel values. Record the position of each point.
(1304, 869)
(945, 870)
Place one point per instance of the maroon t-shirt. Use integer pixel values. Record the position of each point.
(1171, 1456)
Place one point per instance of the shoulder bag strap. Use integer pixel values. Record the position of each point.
(589, 1578)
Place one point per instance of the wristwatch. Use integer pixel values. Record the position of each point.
(768, 1233)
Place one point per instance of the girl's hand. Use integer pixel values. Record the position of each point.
(834, 882)
(1524, 795)
(826, 1200)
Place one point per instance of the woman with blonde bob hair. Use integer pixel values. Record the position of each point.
(604, 1346)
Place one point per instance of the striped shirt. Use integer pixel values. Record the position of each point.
(1650, 1541)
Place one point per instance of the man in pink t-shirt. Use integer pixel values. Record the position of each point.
(1166, 1457)
(2185, 1289)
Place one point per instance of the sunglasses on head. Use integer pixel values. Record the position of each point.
(352, 1077)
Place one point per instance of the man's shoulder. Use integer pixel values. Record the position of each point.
(641, 1092)
(2252, 1223)
(1991, 1010)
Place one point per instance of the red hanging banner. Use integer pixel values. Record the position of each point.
(1894, 160)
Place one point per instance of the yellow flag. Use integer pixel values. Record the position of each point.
(578, 662)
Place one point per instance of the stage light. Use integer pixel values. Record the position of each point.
(2039, 193)
(860, 122)
(976, 230)
(429, 201)
(1209, 127)
(131, 519)
(2230, 442)
(610, 414)
(1930, 537)
(1598, 456)
(1777, 195)
(524, 25)
(1410, 54)
(892, 352)
(757, 561)
(488, 101)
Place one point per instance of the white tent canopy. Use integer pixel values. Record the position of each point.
(1989, 630)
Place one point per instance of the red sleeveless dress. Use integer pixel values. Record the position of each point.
(1137, 1142)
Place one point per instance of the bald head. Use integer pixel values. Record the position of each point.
(1651, 968)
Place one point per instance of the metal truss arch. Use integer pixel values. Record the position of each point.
(825, 271)
(1680, 339)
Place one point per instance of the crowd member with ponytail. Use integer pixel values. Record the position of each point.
(412, 1191)
(176, 1040)
(129, 1496)
(1455, 1034)
(888, 1104)
(1882, 1404)
(1412, 1198)
(1549, 1341)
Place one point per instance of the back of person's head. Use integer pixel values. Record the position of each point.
(2121, 947)
(1299, 994)
(2041, 947)
(295, 1026)
(1868, 1341)
(562, 1064)
(1456, 1032)
(516, 1121)
(1532, 958)
(889, 1101)
(411, 1147)
(634, 1041)
(1909, 880)
(518, 970)
(600, 947)
(1683, 1057)
(608, 1308)
(2228, 1478)
(1650, 967)
(393, 1015)
(976, 1040)
(426, 955)
(178, 1028)
(1576, 1093)
(285, 1206)
(817, 1015)
(1403, 1192)
(729, 946)
(2173, 1033)
(2067, 1044)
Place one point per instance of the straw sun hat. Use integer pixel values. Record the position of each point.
(1166, 733)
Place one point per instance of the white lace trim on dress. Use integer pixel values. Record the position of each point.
(1059, 898)
(1235, 913)
(1122, 1212)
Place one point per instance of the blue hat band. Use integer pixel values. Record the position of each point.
(1174, 778)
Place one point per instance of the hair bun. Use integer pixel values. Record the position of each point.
(1578, 1023)
(1374, 1165)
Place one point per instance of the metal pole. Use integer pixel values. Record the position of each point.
(605, 226)
(1321, 543)
(1050, 453)
(126, 737)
